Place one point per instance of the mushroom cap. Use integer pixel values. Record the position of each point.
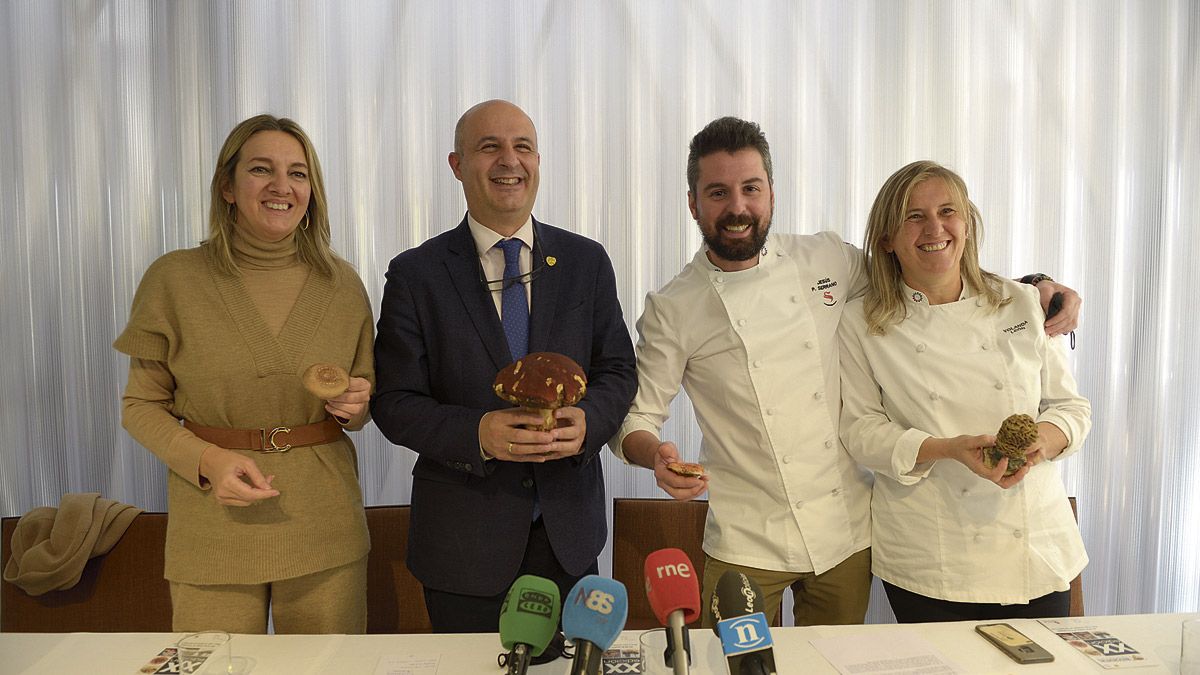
(689, 469)
(542, 380)
(325, 380)
(1015, 434)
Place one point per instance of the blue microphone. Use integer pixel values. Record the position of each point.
(593, 615)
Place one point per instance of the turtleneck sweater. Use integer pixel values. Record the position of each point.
(272, 274)
(227, 351)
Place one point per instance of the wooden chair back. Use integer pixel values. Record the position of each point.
(122, 591)
(395, 599)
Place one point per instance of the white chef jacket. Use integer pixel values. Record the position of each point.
(756, 351)
(959, 368)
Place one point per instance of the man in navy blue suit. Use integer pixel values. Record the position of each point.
(491, 499)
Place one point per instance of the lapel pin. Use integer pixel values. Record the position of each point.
(551, 260)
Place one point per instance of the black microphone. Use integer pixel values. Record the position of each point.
(739, 621)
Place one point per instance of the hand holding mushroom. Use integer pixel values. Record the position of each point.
(547, 426)
(1016, 434)
(345, 397)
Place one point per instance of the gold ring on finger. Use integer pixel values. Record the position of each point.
(510, 447)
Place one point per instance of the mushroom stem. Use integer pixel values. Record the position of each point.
(548, 421)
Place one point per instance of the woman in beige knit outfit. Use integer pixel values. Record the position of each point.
(265, 509)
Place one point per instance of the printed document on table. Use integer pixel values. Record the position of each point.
(1096, 643)
(392, 664)
(884, 652)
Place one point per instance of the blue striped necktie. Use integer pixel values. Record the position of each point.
(514, 315)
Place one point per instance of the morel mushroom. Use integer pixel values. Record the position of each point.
(1016, 433)
(542, 382)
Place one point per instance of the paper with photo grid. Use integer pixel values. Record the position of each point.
(169, 661)
(622, 658)
(1098, 644)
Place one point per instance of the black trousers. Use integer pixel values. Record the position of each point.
(456, 613)
(912, 607)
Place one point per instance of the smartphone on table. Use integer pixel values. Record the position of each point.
(1014, 643)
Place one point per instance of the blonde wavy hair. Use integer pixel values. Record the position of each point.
(312, 240)
(884, 304)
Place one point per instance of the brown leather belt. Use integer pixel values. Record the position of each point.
(279, 439)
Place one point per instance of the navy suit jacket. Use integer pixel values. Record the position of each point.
(438, 349)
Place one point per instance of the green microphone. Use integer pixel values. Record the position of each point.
(528, 620)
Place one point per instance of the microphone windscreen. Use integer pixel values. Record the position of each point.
(529, 614)
(671, 585)
(595, 611)
(735, 595)
(744, 634)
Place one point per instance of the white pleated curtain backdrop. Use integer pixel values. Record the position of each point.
(1075, 125)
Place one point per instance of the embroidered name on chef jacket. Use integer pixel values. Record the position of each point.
(1013, 330)
(825, 288)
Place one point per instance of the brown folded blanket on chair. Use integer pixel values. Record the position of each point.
(51, 546)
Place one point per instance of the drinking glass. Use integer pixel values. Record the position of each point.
(1189, 651)
(211, 652)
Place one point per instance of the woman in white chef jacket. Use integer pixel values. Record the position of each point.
(933, 358)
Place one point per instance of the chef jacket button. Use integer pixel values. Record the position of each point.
(920, 347)
(933, 396)
(770, 411)
(984, 346)
(965, 492)
(808, 344)
(787, 459)
(978, 538)
(818, 396)
(467, 466)
(741, 322)
(796, 299)
(1017, 534)
(979, 302)
(527, 482)
(799, 505)
(828, 444)
(758, 364)
(999, 385)
(717, 279)
(836, 491)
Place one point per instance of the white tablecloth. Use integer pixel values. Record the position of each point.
(1157, 635)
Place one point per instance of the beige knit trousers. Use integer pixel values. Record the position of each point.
(330, 601)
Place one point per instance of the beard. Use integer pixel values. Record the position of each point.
(738, 249)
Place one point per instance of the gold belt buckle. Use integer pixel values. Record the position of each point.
(268, 440)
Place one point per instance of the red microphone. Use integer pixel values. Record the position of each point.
(674, 594)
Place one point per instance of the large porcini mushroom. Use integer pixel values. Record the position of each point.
(542, 382)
